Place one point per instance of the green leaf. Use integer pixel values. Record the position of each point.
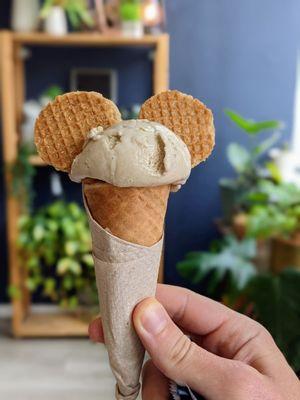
(75, 210)
(46, 8)
(130, 10)
(52, 92)
(67, 264)
(31, 284)
(38, 233)
(239, 157)
(63, 266)
(68, 228)
(276, 301)
(266, 145)
(249, 125)
(32, 263)
(191, 270)
(22, 176)
(274, 210)
(23, 221)
(78, 12)
(71, 247)
(233, 258)
(49, 286)
(88, 260)
(68, 282)
(274, 171)
(73, 302)
(14, 292)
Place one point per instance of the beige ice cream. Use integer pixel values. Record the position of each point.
(134, 153)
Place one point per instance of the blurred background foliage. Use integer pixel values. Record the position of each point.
(255, 267)
(55, 246)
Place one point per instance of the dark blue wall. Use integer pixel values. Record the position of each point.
(228, 53)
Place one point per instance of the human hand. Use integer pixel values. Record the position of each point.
(230, 356)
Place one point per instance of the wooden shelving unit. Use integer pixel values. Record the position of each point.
(37, 161)
(12, 81)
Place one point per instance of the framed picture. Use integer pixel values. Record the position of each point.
(99, 80)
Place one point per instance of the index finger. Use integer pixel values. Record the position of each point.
(220, 330)
(193, 312)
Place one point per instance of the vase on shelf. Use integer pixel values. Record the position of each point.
(25, 15)
(56, 22)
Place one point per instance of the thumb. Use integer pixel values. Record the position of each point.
(176, 356)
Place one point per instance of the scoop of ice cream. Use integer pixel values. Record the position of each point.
(134, 153)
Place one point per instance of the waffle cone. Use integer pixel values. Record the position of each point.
(133, 214)
(62, 126)
(127, 228)
(190, 119)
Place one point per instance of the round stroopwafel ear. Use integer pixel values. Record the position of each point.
(190, 119)
(62, 126)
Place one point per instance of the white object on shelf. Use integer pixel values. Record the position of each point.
(132, 29)
(31, 110)
(24, 17)
(55, 184)
(56, 22)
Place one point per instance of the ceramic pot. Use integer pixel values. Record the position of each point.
(56, 22)
(133, 29)
(24, 16)
(285, 253)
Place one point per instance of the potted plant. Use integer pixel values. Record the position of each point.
(131, 18)
(55, 244)
(230, 276)
(55, 13)
(275, 214)
(247, 164)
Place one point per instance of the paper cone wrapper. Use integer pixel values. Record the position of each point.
(126, 273)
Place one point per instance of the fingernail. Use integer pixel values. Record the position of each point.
(153, 318)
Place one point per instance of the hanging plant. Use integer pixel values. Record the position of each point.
(22, 177)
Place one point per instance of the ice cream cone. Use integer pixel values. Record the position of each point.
(82, 133)
(132, 214)
(127, 228)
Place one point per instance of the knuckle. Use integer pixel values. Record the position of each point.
(248, 383)
(181, 354)
(263, 334)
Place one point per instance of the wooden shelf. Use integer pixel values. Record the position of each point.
(37, 161)
(85, 39)
(53, 325)
(12, 95)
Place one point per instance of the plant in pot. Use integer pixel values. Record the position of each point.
(275, 214)
(274, 300)
(247, 164)
(55, 13)
(131, 18)
(56, 246)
